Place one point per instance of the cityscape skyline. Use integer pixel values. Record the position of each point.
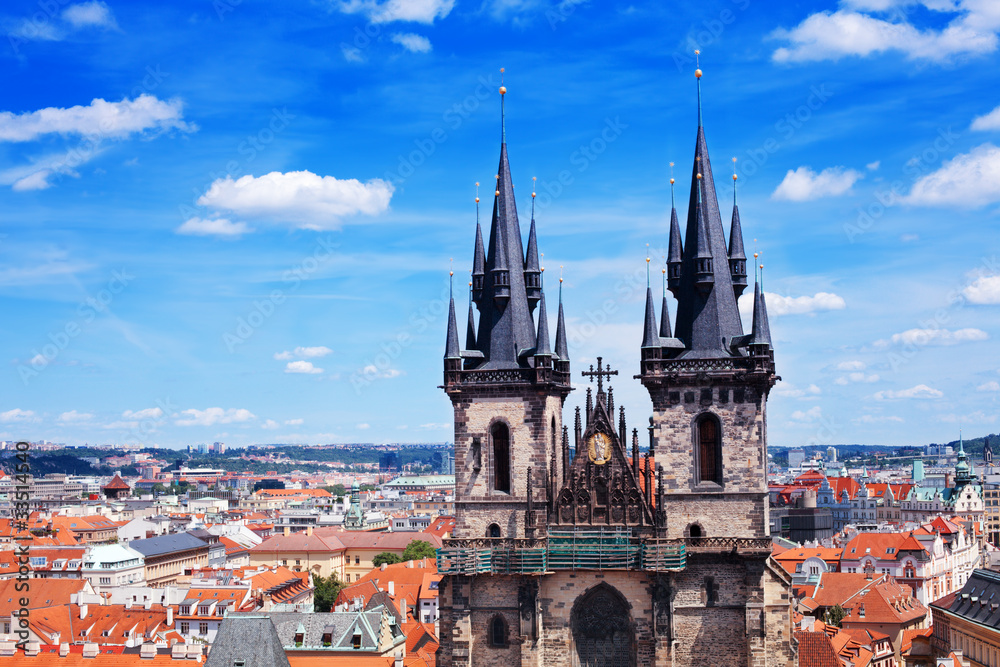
(256, 249)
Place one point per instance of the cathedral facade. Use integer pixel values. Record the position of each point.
(605, 553)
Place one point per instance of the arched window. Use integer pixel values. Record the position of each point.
(501, 457)
(694, 530)
(709, 449)
(493, 530)
(498, 631)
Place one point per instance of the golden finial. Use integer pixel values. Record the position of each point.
(734, 169)
(503, 88)
(477, 192)
(671, 173)
(560, 273)
(533, 179)
(698, 177)
(697, 63)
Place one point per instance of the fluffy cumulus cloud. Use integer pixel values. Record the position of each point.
(804, 184)
(48, 27)
(990, 386)
(90, 15)
(921, 391)
(212, 416)
(147, 413)
(213, 227)
(294, 422)
(865, 28)
(989, 121)
(90, 126)
(18, 415)
(984, 290)
(853, 365)
(968, 180)
(801, 305)
(857, 377)
(933, 337)
(412, 42)
(363, 426)
(100, 118)
(269, 425)
(74, 417)
(415, 11)
(813, 414)
(791, 391)
(301, 198)
(300, 366)
(312, 352)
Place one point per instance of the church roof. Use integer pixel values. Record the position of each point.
(117, 483)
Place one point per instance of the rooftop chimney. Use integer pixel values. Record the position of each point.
(170, 615)
(83, 611)
(392, 588)
(63, 649)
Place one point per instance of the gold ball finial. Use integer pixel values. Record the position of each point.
(477, 184)
(503, 90)
(697, 74)
(734, 177)
(756, 255)
(699, 177)
(498, 193)
(671, 181)
(532, 195)
(761, 266)
(477, 200)
(664, 270)
(451, 273)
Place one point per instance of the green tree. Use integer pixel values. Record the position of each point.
(337, 490)
(835, 614)
(418, 549)
(327, 590)
(386, 557)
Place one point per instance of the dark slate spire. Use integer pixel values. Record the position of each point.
(675, 251)
(737, 256)
(506, 329)
(542, 347)
(452, 350)
(649, 336)
(665, 320)
(532, 270)
(706, 302)
(478, 260)
(760, 329)
(562, 350)
(470, 331)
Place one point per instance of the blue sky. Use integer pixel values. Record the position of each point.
(234, 220)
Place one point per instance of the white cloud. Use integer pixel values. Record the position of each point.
(212, 416)
(834, 35)
(800, 305)
(854, 365)
(312, 352)
(873, 166)
(148, 413)
(412, 42)
(302, 367)
(416, 11)
(858, 377)
(804, 184)
(212, 227)
(977, 417)
(880, 419)
(90, 15)
(812, 414)
(74, 417)
(100, 120)
(18, 415)
(919, 391)
(968, 180)
(936, 337)
(363, 427)
(36, 181)
(299, 197)
(283, 356)
(984, 290)
(270, 425)
(992, 385)
(294, 422)
(791, 391)
(372, 371)
(989, 121)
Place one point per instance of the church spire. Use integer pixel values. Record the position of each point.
(675, 251)
(478, 260)
(649, 335)
(470, 331)
(707, 317)
(737, 256)
(532, 272)
(452, 350)
(562, 350)
(664, 312)
(542, 348)
(506, 330)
